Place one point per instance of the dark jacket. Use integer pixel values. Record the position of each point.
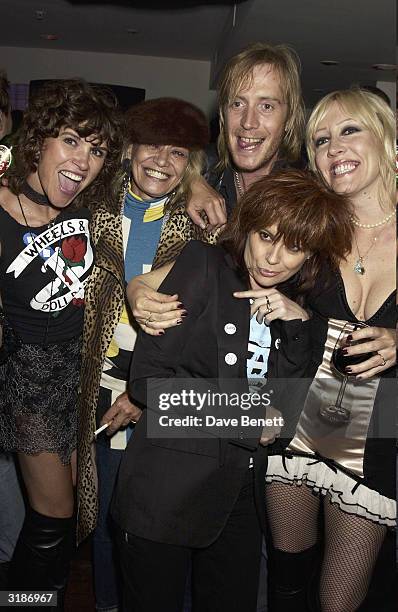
(181, 491)
(223, 182)
(104, 301)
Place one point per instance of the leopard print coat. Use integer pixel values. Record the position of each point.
(105, 295)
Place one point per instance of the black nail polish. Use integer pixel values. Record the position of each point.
(345, 351)
(161, 333)
(179, 321)
(349, 338)
(348, 370)
(180, 305)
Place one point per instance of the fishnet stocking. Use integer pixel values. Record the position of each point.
(352, 545)
(292, 512)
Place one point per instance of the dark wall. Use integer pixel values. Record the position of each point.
(127, 96)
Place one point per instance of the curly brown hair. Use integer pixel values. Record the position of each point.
(307, 214)
(87, 109)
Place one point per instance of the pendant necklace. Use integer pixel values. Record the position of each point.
(359, 267)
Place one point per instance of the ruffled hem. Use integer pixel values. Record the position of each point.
(352, 497)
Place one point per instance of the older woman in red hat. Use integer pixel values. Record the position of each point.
(163, 146)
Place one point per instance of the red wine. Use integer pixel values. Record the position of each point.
(341, 361)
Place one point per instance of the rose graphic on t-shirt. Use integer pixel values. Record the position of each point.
(64, 249)
(72, 251)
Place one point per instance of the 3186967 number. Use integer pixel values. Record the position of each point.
(27, 598)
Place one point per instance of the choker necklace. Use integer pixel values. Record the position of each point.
(32, 194)
(372, 225)
(238, 184)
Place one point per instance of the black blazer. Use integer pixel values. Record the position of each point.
(181, 491)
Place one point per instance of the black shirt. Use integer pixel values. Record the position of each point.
(42, 274)
(224, 182)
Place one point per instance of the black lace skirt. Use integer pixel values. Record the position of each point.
(38, 399)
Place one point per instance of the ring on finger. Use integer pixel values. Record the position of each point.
(148, 319)
(383, 360)
(268, 304)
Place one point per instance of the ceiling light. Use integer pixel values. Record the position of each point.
(40, 14)
(384, 66)
(49, 36)
(329, 62)
(132, 31)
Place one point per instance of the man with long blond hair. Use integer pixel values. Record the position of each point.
(261, 116)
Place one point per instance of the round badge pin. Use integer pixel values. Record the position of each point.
(230, 359)
(5, 159)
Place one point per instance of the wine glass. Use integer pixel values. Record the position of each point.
(337, 413)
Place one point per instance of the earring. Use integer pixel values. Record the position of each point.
(126, 165)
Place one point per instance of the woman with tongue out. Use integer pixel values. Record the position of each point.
(64, 159)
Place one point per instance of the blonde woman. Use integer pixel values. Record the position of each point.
(344, 462)
(163, 142)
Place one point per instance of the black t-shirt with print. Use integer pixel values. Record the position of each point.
(42, 276)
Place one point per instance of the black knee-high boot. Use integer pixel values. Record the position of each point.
(291, 575)
(42, 555)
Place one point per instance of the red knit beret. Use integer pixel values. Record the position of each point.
(167, 121)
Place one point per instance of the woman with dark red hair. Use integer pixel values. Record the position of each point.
(199, 499)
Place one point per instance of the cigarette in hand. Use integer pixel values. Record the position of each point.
(98, 431)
